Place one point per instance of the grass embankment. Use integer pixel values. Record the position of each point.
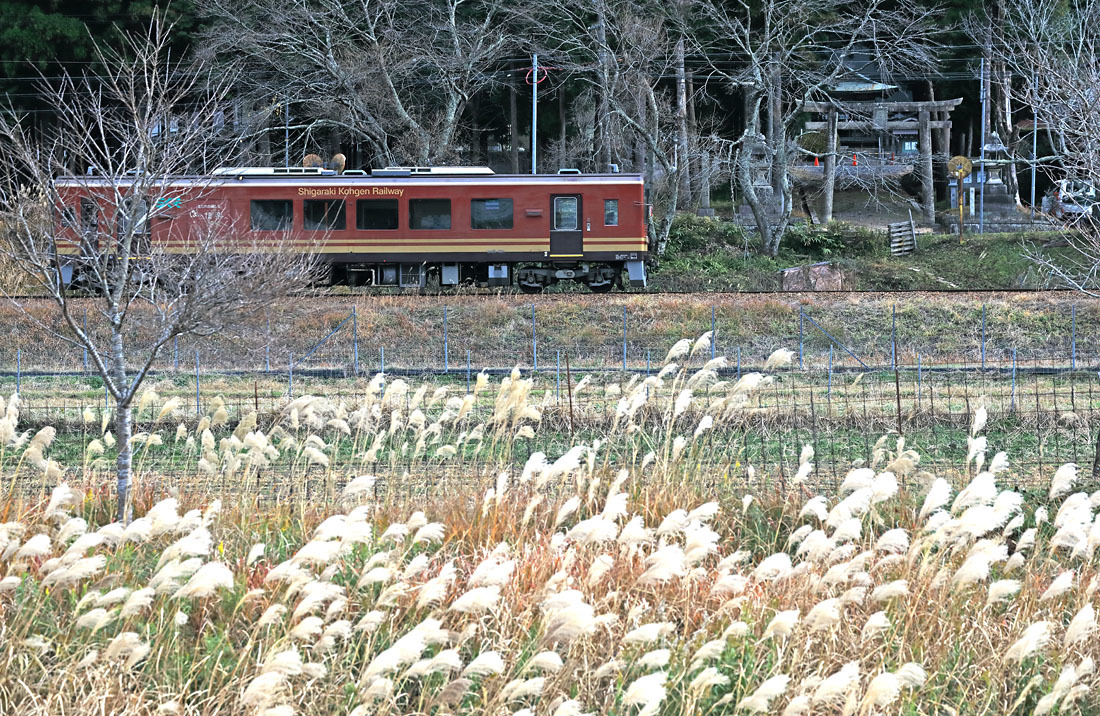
(716, 255)
(497, 331)
(620, 576)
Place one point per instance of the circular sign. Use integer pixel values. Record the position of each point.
(959, 166)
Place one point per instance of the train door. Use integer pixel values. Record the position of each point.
(566, 234)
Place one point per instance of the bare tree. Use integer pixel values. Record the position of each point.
(629, 54)
(780, 54)
(1054, 51)
(396, 74)
(146, 245)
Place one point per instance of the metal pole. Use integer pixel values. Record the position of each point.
(557, 389)
(355, 339)
(1073, 339)
(267, 348)
(981, 189)
(198, 406)
(467, 371)
(624, 339)
(86, 338)
(982, 337)
(648, 353)
(1013, 378)
(18, 368)
(290, 377)
(1034, 141)
(801, 334)
(739, 363)
(106, 399)
(918, 374)
(534, 341)
(829, 391)
(713, 335)
(894, 336)
(534, 109)
(446, 357)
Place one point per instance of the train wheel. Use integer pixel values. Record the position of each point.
(602, 288)
(530, 288)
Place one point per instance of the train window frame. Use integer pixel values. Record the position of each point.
(576, 214)
(416, 218)
(141, 213)
(511, 216)
(366, 203)
(339, 222)
(89, 215)
(610, 212)
(252, 215)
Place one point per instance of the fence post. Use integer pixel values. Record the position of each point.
(446, 357)
(1013, 400)
(801, 334)
(648, 355)
(106, 399)
(267, 348)
(982, 337)
(918, 373)
(894, 336)
(534, 343)
(18, 367)
(382, 369)
(624, 339)
(1073, 339)
(86, 338)
(557, 389)
(198, 406)
(290, 377)
(713, 335)
(355, 339)
(467, 370)
(738, 362)
(829, 391)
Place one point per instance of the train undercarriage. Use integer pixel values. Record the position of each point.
(599, 277)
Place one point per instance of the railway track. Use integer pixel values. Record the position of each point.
(498, 293)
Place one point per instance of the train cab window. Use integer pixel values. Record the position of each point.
(490, 213)
(68, 218)
(610, 212)
(272, 214)
(324, 215)
(376, 214)
(430, 214)
(565, 213)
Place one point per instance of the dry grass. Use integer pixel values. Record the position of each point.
(600, 579)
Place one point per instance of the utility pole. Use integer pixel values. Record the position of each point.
(286, 124)
(1034, 141)
(983, 89)
(534, 108)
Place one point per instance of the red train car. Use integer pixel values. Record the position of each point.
(401, 226)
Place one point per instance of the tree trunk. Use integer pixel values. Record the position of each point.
(829, 183)
(683, 155)
(928, 197)
(123, 466)
(513, 120)
(775, 128)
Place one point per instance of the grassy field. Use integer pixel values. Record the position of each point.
(423, 558)
(717, 255)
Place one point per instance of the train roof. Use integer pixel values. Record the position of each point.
(292, 176)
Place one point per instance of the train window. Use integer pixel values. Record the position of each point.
(490, 213)
(135, 210)
(565, 213)
(610, 212)
(376, 214)
(430, 214)
(89, 215)
(323, 215)
(272, 214)
(68, 217)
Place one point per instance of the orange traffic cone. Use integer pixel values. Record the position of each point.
(854, 162)
(815, 162)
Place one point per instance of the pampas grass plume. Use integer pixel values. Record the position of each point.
(760, 699)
